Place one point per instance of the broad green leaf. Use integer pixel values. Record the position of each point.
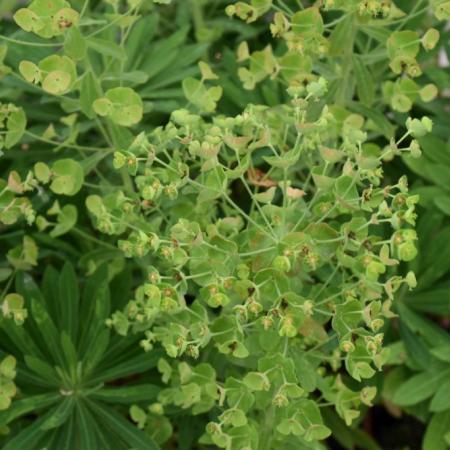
(404, 44)
(442, 12)
(58, 74)
(68, 177)
(56, 82)
(67, 218)
(15, 126)
(198, 94)
(294, 66)
(24, 256)
(13, 308)
(47, 19)
(42, 172)
(30, 71)
(307, 22)
(122, 105)
(347, 317)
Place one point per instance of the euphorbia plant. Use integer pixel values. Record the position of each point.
(270, 239)
(70, 367)
(270, 273)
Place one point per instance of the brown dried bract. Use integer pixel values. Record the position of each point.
(257, 177)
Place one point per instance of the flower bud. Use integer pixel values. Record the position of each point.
(348, 346)
(217, 300)
(430, 39)
(281, 263)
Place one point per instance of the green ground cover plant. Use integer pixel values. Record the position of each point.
(223, 224)
(66, 365)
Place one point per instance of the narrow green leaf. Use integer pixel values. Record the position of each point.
(437, 428)
(419, 356)
(88, 95)
(342, 36)
(129, 433)
(28, 405)
(50, 289)
(365, 86)
(66, 435)
(95, 353)
(441, 400)
(434, 301)
(86, 426)
(106, 48)
(69, 352)
(433, 334)
(419, 387)
(75, 44)
(95, 313)
(60, 414)
(136, 365)
(69, 301)
(27, 437)
(47, 330)
(43, 369)
(128, 394)
(141, 35)
(442, 352)
(21, 339)
(435, 261)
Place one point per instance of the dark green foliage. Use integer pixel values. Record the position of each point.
(73, 376)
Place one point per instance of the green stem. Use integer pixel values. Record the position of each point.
(65, 144)
(93, 239)
(30, 44)
(265, 442)
(8, 285)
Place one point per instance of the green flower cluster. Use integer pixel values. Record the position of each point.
(285, 291)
